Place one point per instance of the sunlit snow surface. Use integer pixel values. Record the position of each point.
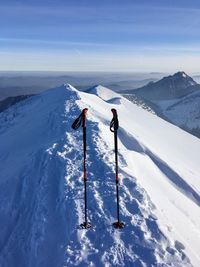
(41, 185)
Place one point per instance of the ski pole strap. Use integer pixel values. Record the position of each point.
(81, 119)
(114, 124)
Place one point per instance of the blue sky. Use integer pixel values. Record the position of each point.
(105, 35)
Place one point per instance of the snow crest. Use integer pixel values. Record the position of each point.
(41, 185)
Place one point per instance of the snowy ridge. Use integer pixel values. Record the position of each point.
(103, 92)
(42, 194)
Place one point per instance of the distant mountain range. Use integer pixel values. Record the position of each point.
(170, 87)
(175, 98)
(26, 83)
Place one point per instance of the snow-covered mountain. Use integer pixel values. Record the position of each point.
(183, 112)
(41, 185)
(170, 87)
(175, 98)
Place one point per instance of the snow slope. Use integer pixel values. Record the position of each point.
(41, 185)
(184, 112)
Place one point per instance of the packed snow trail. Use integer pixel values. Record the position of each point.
(41, 187)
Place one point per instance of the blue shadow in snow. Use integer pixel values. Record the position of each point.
(178, 181)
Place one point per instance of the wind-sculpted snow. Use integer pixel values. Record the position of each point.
(41, 187)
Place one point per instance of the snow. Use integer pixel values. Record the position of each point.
(164, 104)
(172, 159)
(184, 111)
(176, 99)
(103, 92)
(41, 185)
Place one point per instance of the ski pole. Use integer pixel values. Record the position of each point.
(114, 125)
(76, 124)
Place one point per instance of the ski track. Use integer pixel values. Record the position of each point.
(47, 207)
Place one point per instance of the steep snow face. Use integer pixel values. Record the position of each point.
(184, 112)
(41, 185)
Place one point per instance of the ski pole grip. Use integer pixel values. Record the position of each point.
(85, 110)
(114, 124)
(81, 119)
(114, 111)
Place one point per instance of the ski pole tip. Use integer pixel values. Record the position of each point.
(118, 225)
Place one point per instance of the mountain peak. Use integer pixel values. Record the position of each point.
(181, 74)
(97, 86)
(69, 86)
(183, 78)
(102, 92)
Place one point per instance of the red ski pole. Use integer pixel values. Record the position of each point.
(114, 125)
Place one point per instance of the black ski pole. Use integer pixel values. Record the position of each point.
(114, 125)
(76, 124)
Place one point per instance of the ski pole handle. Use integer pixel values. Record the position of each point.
(114, 124)
(114, 111)
(80, 119)
(85, 110)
